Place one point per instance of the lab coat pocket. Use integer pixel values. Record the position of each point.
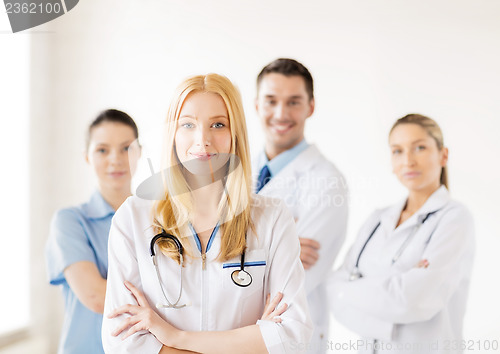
(242, 285)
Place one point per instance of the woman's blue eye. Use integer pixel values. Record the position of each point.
(395, 152)
(218, 125)
(101, 151)
(188, 125)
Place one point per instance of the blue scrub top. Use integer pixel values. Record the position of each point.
(79, 234)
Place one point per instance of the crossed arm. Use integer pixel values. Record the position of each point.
(88, 285)
(143, 317)
(419, 293)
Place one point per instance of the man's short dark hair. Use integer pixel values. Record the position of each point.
(288, 67)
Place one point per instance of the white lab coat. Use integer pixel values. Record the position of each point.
(404, 308)
(316, 193)
(216, 303)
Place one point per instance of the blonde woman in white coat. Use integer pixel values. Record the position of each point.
(218, 250)
(404, 284)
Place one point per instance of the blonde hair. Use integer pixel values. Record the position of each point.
(432, 128)
(173, 213)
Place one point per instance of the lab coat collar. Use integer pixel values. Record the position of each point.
(436, 201)
(285, 158)
(302, 162)
(196, 237)
(97, 207)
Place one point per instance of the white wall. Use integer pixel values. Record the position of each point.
(15, 166)
(373, 62)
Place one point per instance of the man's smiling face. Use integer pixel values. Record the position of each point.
(283, 105)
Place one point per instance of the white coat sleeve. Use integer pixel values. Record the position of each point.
(324, 219)
(345, 312)
(122, 265)
(420, 293)
(285, 274)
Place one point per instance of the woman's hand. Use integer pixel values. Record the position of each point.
(424, 263)
(143, 317)
(271, 313)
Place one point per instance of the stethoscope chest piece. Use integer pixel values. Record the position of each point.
(241, 278)
(355, 275)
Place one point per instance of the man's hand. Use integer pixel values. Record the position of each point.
(309, 252)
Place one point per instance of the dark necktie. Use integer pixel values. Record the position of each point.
(264, 177)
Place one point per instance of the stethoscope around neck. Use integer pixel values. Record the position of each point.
(240, 277)
(180, 250)
(356, 273)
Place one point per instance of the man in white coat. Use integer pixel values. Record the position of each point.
(311, 186)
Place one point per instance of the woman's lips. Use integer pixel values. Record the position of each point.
(117, 174)
(412, 174)
(202, 156)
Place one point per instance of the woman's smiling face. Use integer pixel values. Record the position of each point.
(203, 135)
(113, 155)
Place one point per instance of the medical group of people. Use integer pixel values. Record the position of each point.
(229, 255)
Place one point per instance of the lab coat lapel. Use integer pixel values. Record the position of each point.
(390, 217)
(436, 201)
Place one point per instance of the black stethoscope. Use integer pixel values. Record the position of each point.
(239, 277)
(356, 273)
(180, 249)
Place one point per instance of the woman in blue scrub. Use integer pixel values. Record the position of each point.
(77, 249)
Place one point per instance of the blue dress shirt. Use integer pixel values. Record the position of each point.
(283, 159)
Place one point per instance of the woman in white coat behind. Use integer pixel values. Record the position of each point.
(404, 284)
(236, 247)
